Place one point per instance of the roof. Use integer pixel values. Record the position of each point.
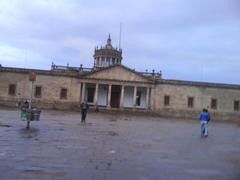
(117, 65)
(84, 74)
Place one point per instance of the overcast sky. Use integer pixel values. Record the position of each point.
(197, 40)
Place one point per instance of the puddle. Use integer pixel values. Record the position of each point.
(86, 124)
(5, 125)
(40, 172)
(29, 133)
(112, 133)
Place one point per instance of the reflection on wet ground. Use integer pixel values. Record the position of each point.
(117, 146)
(29, 133)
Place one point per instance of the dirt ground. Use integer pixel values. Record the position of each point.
(116, 147)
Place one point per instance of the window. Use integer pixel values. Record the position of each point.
(102, 61)
(190, 102)
(236, 105)
(97, 62)
(166, 100)
(214, 103)
(38, 91)
(138, 100)
(12, 89)
(63, 93)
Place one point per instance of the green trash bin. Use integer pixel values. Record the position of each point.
(24, 115)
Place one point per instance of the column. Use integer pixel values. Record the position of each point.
(83, 91)
(109, 96)
(134, 96)
(147, 97)
(122, 97)
(150, 104)
(80, 92)
(96, 95)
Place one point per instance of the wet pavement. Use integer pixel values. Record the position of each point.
(118, 147)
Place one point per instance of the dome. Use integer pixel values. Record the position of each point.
(107, 55)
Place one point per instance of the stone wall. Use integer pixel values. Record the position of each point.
(51, 86)
(202, 99)
(179, 91)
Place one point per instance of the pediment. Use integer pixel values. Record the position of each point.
(118, 73)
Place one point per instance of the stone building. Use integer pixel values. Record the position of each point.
(111, 85)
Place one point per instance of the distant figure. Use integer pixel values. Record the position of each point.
(25, 105)
(204, 118)
(19, 104)
(84, 108)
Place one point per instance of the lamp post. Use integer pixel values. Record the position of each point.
(32, 78)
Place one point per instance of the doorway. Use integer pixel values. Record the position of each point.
(90, 94)
(115, 96)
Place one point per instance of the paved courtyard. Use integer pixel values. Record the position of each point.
(116, 146)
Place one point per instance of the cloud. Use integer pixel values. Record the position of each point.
(179, 37)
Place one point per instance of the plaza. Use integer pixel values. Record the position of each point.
(116, 146)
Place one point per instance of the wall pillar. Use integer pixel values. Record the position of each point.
(80, 92)
(147, 97)
(122, 97)
(109, 96)
(83, 91)
(134, 96)
(96, 95)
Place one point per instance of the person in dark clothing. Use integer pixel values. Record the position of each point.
(84, 108)
(25, 105)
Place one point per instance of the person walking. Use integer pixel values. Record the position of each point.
(204, 118)
(84, 108)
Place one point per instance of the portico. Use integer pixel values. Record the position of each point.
(116, 96)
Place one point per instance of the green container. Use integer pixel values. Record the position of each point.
(24, 116)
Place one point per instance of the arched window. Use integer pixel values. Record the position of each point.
(102, 61)
(98, 61)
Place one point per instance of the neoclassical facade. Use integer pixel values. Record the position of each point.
(113, 86)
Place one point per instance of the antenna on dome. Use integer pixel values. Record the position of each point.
(120, 35)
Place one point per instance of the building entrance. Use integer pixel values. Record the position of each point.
(115, 96)
(90, 94)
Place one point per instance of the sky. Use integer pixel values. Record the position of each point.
(185, 39)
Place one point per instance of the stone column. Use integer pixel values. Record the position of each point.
(147, 97)
(83, 91)
(109, 96)
(80, 92)
(96, 95)
(122, 97)
(134, 96)
(151, 100)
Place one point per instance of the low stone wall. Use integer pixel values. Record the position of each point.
(44, 105)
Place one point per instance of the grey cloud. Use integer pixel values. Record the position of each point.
(182, 38)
